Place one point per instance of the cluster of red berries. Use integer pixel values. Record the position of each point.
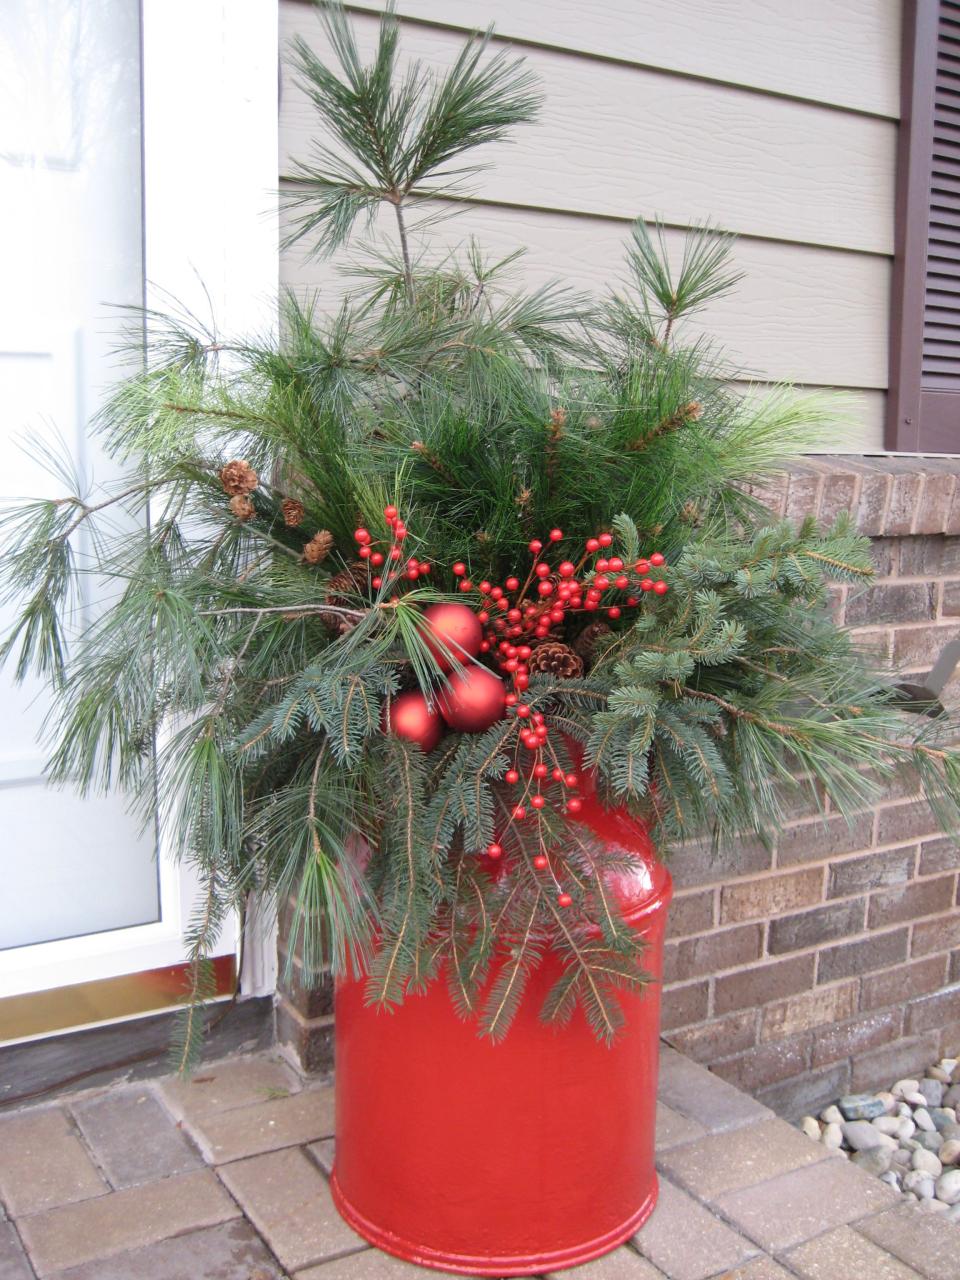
(512, 614)
(411, 569)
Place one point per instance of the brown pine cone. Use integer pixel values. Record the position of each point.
(292, 511)
(242, 507)
(318, 548)
(238, 477)
(555, 659)
(588, 639)
(341, 591)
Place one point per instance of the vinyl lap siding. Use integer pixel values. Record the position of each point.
(769, 119)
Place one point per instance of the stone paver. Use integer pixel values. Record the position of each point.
(762, 1269)
(94, 1229)
(287, 1198)
(268, 1126)
(673, 1128)
(700, 1095)
(13, 1263)
(44, 1163)
(728, 1161)
(686, 1241)
(922, 1240)
(622, 1264)
(845, 1252)
(323, 1152)
(222, 1086)
(371, 1265)
(232, 1251)
(804, 1203)
(133, 1138)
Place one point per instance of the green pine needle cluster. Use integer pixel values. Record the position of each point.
(243, 679)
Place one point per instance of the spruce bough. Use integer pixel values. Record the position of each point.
(240, 666)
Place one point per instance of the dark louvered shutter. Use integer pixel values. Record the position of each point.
(924, 403)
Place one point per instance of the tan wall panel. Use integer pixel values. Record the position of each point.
(619, 140)
(843, 53)
(801, 314)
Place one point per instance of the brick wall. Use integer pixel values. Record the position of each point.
(832, 961)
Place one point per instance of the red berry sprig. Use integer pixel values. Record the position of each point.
(389, 560)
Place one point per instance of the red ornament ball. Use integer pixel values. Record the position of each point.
(457, 629)
(410, 716)
(472, 700)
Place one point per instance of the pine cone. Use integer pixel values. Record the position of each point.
(318, 548)
(555, 659)
(588, 639)
(341, 590)
(292, 511)
(242, 507)
(238, 477)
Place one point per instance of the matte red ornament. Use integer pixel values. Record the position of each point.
(472, 700)
(410, 716)
(457, 628)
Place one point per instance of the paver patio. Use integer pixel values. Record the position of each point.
(225, 1178)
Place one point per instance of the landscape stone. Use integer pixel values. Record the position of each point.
(930, 1141)
(905, 1086)
(832, 1136)
(950, 1152)
(832, 1115)
(811, 1128)
(888, 1100)
(948, 1187)
(952, 1097)
(905, 1128)
(933, 1091)
(861, 1106)
(921, 1184)
(921, 1118)
(890, 1125)
(892, 1179)
(938, 1073)
(874, 1160)
(927, 1162)
(942, 1117)
(861, 1135)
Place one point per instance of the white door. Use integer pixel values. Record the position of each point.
(134, 145)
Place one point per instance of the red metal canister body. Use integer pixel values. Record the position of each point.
(503, 1159)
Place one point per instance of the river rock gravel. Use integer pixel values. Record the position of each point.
(909, 1136)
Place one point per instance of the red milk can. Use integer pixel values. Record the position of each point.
(504, 1159)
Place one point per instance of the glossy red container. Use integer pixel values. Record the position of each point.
(510, 1159)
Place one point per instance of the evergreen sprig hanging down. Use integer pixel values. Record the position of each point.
(412, 582)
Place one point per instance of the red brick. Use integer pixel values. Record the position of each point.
(901, 822)
(810, 928)
(911, 901)
(809, 1009)
(917, 648)
(937, 856)
(844, 1039)
(726, 949)
(955, 967)
(935, 502)
(817, 841)
(718, 1038)
(876, 1069)
(763, 983)
(770, 895)
(942, 934)
(765, 1064)
(691, 913)
(839, 493)
(680, 1006)
(860, 957)
(803, 491)
(872, 871)
(895, 985)
(698, 863)
(310, 1039)
(930, 1012)
(951, 598)
(891, 602)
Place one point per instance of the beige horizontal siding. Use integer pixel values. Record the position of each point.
(845, 54)
(808, 187)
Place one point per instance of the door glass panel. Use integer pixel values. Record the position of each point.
(71, 248)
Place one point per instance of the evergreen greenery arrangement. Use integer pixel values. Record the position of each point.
(412, 577)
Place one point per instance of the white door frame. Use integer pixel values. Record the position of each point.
(210, 172)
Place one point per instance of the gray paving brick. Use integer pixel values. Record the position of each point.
(44, 1163)
(222, 1086)
(700, 1095)
(686, 1241)
(133, 1138)
(323, 1152)
(728, 1161)
(371, 1264)
(803, 1203)
(267, 1126)
(287, 1198)
(845, 1252)
(921, 1240)
(94, 1229)
(232, 1251)
(760, 1269)
(621, 1264)
(13, 1262)
(673, 1128)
